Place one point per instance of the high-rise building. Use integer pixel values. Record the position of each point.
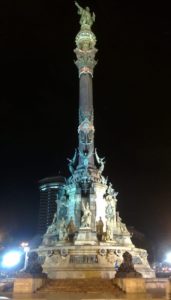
(49, 190)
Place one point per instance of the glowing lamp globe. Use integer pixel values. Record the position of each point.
(11, 259)
(168, 257)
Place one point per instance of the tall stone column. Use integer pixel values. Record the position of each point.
(85, 53)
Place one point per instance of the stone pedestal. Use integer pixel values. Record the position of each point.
(131, 285)
(168, 289)
(86, 237)
(28, 285)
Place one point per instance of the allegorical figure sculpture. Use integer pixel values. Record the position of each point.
(99, 229)
(100, 161)
(110, 189)
(109, 232)
(72, 162)
(71, 227)
(62, 230)
(86, 17)
(51, 229)
(62, 204)
(86, 218)
(121, 226)
(110, 208)
(100, 226)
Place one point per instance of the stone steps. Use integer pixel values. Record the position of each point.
(79, 285)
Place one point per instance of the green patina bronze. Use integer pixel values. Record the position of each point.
(87, 19)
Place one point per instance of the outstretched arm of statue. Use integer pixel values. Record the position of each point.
(79, 7)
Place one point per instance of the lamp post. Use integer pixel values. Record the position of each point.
(26, 249)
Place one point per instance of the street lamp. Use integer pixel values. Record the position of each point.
(26, 249)
(11, 259)
(168, 257)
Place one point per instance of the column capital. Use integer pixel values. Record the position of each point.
(85, 51)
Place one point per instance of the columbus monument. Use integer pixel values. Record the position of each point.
(87, 236)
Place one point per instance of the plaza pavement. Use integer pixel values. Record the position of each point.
(79, 296)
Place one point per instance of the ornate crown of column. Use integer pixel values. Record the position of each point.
(85, 41)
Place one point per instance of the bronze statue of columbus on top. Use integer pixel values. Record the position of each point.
(87, 19)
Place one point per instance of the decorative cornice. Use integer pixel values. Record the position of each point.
(85, 61)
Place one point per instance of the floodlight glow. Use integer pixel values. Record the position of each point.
(24, 244)
(11, 259)
(168, 257)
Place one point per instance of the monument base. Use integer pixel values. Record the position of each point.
(84, 260)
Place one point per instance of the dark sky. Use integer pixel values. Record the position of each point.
(39, 106)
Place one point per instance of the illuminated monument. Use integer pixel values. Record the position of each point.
(87, 236)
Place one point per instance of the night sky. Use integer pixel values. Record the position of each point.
(39, 107)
